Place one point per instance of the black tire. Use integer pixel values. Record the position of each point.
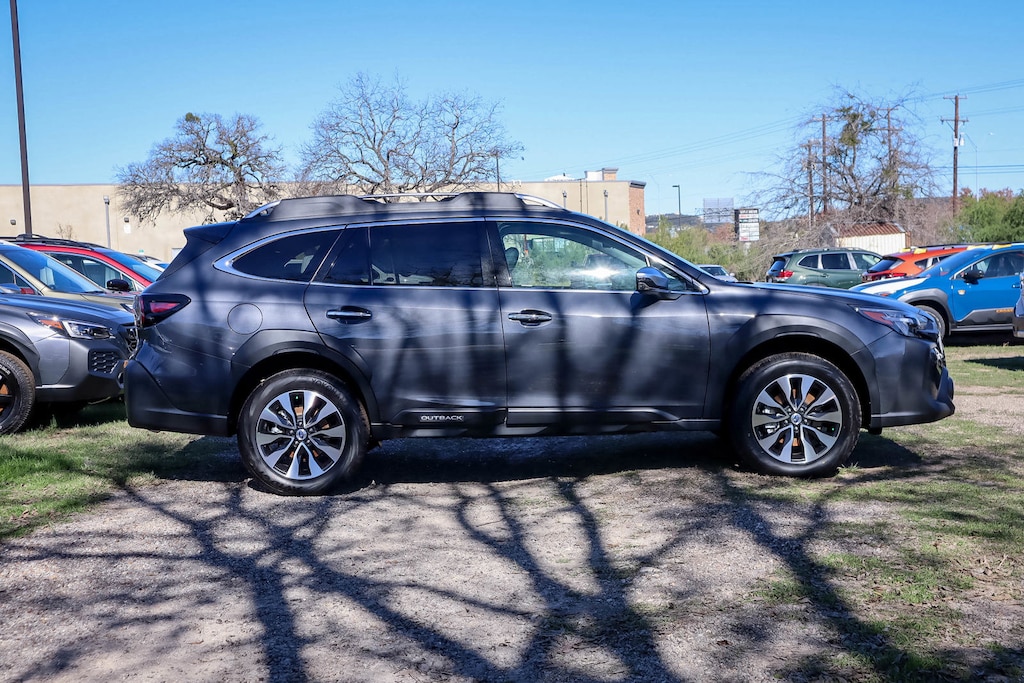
(795, 414)
(938, 318)
(17, 393)
(301, 432)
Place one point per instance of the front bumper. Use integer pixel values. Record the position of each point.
(914, 385)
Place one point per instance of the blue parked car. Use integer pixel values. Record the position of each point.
(973, 291)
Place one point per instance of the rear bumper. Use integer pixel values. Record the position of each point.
(149, 408)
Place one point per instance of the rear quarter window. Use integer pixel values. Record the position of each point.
(294, 257)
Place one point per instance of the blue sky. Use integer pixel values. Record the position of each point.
(701, 95)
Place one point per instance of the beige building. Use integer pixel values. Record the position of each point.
(93, 213)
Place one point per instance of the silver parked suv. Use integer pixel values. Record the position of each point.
(58, 355)
(317, 327)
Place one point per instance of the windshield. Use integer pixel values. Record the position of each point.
(136, 264)
(952, 264)
(51, 272)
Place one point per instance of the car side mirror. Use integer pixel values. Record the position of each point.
(653, 282)
(119, 285)
(973, 275)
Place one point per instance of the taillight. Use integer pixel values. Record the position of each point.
(784, 275)
(152, 308)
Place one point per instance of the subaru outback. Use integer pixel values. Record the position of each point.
(315, 328)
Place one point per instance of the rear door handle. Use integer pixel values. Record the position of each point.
(350, 314)
(530, 317)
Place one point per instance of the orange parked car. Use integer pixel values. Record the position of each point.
(909, 262)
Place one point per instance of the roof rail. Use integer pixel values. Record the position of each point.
(330, 205)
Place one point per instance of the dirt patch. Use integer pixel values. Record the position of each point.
(612, 559)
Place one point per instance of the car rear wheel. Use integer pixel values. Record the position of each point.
(17, 393)
(301, 432)
(795, 414)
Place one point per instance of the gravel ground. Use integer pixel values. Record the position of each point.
(611, 559)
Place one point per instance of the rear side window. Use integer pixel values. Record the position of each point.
(295, 257)
(810, 261)
(430, 255)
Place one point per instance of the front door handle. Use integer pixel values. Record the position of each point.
(530, 316)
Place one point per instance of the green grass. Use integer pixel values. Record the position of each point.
(956, 534)
(48, 472)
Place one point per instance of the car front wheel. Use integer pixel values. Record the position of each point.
(301, 432)
(795, 414)
(17, 393)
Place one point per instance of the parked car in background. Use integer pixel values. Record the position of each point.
(59, 355)
(718, 271)
(316, 327)
(973, 291)
(910, 262)
(840, 268)
(32, 272)
(106, 267)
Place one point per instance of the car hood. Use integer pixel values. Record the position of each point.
(81, 310)
(887, 287)
(852, 297)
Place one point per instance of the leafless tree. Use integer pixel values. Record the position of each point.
(376, 138)
(867, 166)
(209, 165)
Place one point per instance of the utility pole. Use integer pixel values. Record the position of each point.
(810, 183)
(824, 162)
(957, 141)
(21, 117)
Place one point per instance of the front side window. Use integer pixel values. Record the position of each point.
(1001, 265)
(552, 256)
(863, 261)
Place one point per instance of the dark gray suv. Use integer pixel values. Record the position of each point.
(317, 327)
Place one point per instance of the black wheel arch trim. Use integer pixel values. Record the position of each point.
(270, 351)
(769, 334)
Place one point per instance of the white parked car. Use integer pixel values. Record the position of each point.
(718, 271)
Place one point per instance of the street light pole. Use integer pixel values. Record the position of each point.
(606, 205)
(679, 205)
(106, 209)
(20, 93)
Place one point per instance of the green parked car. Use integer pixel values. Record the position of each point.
(840, 268)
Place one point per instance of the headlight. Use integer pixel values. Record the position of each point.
(75, 329)
(907, 323)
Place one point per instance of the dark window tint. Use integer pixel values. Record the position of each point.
(352, 264)
(809, 261)
(885, 264)
(835, 262)
(295, 257)
(432, 255)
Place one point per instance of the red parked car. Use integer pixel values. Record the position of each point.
(909, 262)
(108, 268)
